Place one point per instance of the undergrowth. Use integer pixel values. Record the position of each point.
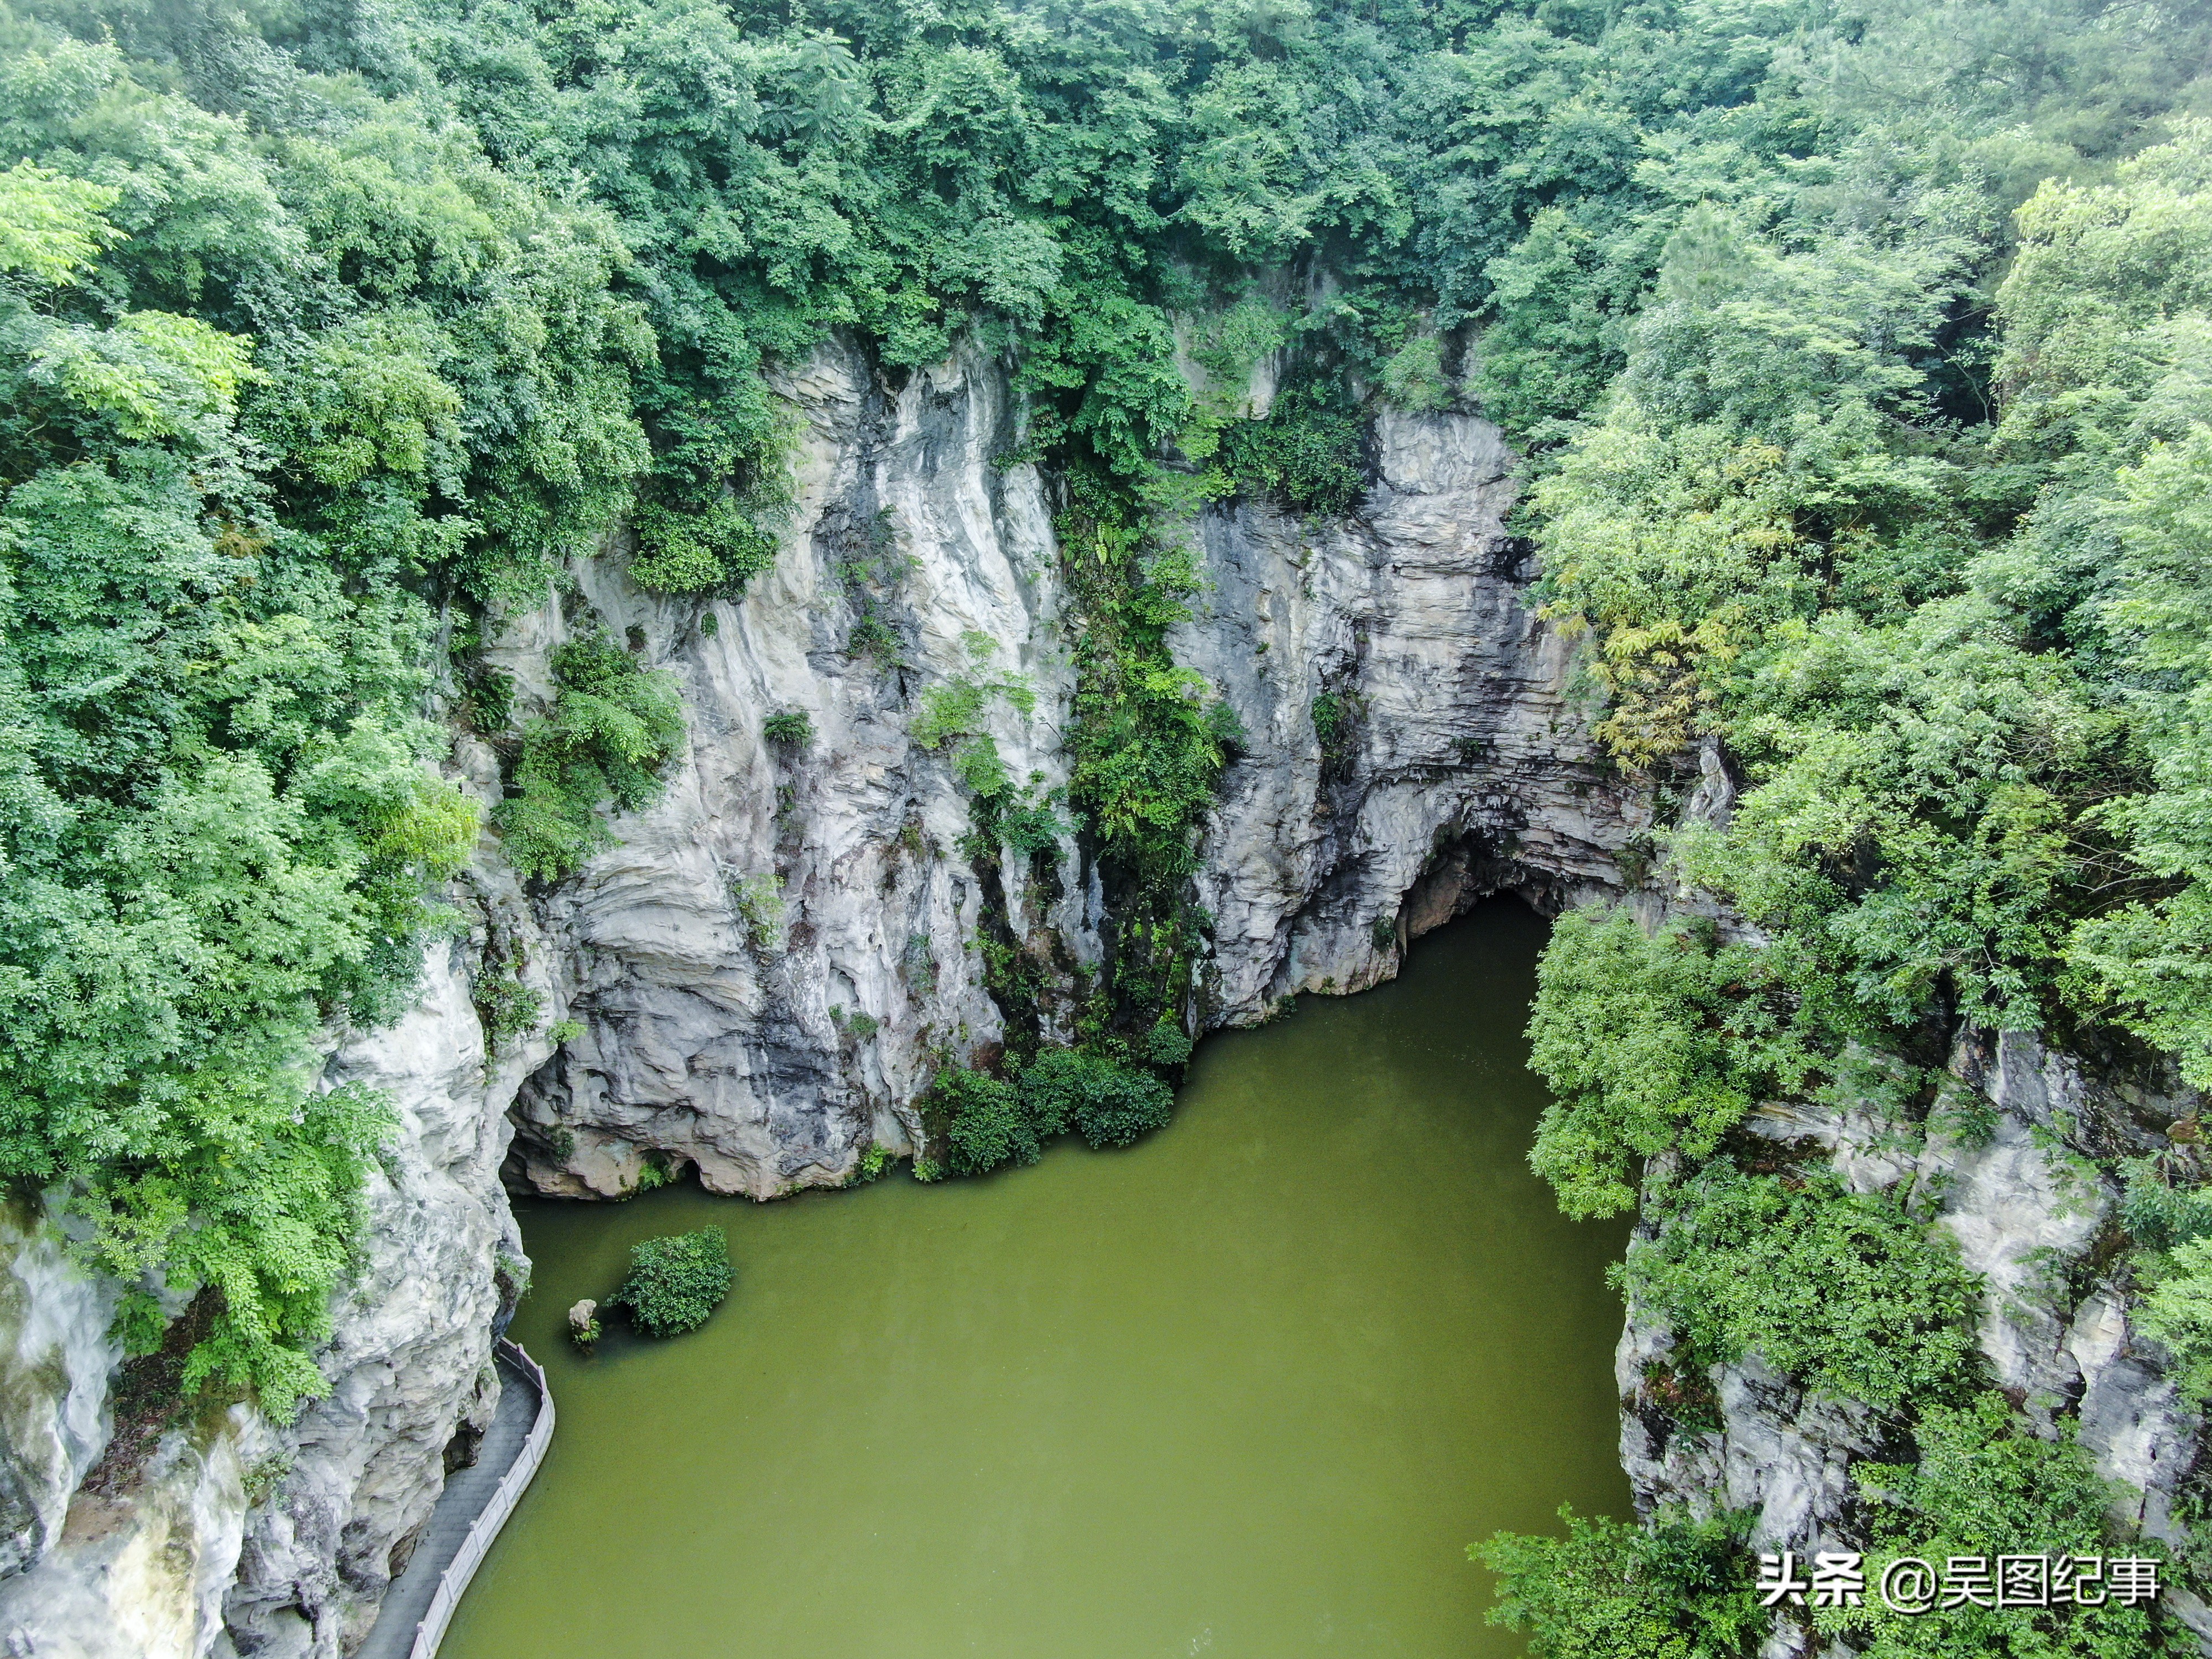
(612, 727)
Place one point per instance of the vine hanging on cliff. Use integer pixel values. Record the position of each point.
(1147, 745)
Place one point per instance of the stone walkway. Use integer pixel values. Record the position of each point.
(468, 1492)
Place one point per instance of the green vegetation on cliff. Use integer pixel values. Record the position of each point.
(1891, 484)
(612, 726)
(1674, 1590)
(1982, 1483)
(1859, 352)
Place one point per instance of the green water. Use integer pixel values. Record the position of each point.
(1245, 1390)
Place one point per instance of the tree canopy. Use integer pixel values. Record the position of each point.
(1858, 352)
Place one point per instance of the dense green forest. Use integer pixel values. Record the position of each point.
(1861, 353)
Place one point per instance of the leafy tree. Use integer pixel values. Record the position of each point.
(1674, 1589)
(982, 1122)
(1307, 448)
(1847, 1290)
(1651, 1043)
(1986, 1485)
(613, 726)
(677, 1282)
(1108, 1104)
(1149, 741)
(215, 826)
(2178, 1312)
(51, 228)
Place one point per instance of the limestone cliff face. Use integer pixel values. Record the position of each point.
(758, 979)
(236, 1534)
(1452, 765)
(55, 1356)
(2030, 1210)
(756, 982)
(765, 967)
(349, 1487)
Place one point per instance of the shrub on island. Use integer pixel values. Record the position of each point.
(675, 1283)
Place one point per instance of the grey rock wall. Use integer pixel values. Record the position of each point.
(351, 1483)
(240, 1535)
(1458, 766)
(2029, 1208)
(55, 1358)
(765, 965)
(770, 1058)
(144, 1573)
(758, 979)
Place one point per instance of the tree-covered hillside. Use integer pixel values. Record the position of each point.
(1862, 357)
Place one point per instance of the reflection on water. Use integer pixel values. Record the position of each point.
(1246, 1390)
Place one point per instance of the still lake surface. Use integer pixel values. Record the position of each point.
(1246, 1390)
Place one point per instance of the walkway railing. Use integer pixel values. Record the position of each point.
(454, 1580)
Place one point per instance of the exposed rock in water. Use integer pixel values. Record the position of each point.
(584, 1324)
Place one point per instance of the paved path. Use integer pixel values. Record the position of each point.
(481, 1493)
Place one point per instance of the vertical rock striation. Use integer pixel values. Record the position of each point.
(768, 1055)
(764, 967)
(350, 1486)
(756, 982)
(55, 1357)
(1410, 744)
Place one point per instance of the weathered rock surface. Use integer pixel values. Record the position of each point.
(764, 966)
(144, 1573)
(1454, 766)
(756, 982)
(412, 1382)
(2028, 1209)
(182, 1563)
(769, 1053)
(55, 1358)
